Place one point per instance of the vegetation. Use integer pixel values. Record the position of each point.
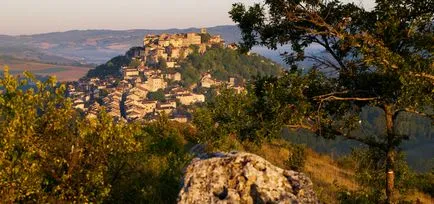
(157, 95)
(50, 153)
(369, 171)
(223, 63)
(113, 66)
(205, 37)
(380, 58)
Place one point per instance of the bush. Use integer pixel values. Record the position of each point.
(157, 95)
(49, 153)
(297, 158)
(370, 165)
(360, 197)
(425, 182)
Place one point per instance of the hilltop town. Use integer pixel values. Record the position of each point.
(151, 84)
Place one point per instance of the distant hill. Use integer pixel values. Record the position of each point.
(62, 72)
(90, 46)
(94, 47)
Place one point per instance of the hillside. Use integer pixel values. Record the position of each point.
(93, 46)
(330, 176)
(62, 72)
(224, 63)
(220, 62)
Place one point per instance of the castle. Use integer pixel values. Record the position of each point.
(171, 48)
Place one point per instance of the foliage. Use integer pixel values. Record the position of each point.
(152, 175)
(223, 63)
(134, 63)
(205, 37)
(425, 182)
(380, 58)
(226, 115)
(349, 197)
(113, 66)
(110, 68)
(370, 165)
(370, 168)
(298, 157)
(162, 63)
(50, 153)
(157, 95)
(253, 116)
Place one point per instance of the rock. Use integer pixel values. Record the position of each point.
(242, 178)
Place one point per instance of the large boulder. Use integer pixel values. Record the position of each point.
(242, 178)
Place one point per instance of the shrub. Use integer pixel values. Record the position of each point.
(425, 182)
(297, 158)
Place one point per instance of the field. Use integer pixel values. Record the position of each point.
(62, 72)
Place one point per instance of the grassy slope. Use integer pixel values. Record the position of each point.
(62, 72)
(326, 175)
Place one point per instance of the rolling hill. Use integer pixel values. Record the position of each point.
(62, 72)
(89, 46)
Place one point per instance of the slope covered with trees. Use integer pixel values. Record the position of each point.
(223, 63)
(113, 66)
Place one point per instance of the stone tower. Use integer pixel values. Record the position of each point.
(203, 30)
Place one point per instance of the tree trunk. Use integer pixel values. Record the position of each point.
(390, 177)
(391, 154)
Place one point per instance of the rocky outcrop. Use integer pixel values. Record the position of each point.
(242, 178)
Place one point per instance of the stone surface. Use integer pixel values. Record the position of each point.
(242, 178)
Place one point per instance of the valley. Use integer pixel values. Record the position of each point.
(62, 72)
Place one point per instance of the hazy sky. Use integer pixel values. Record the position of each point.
(40, 16)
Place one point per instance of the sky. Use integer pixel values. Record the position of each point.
(19, 17)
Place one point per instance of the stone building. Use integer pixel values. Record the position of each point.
(189, 99)
(154, 84)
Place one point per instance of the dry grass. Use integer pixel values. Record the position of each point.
(328, 177)
(418, 197)
(64, 73)
(323, 171)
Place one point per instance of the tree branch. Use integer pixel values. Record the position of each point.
(302, 126)
(425, 75)
(334, 98)
(331, 94)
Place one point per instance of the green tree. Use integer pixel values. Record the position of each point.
(223, 63)
(162, 63)
(111, 68)
(157, 95)
(369, 172)
(205, 37)
(134, 63)
(381, 58)
(152, 174)
(48, 151)
(231, 114)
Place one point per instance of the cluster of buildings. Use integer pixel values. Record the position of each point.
(128, 97)
(171, 48)
(207, 81)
